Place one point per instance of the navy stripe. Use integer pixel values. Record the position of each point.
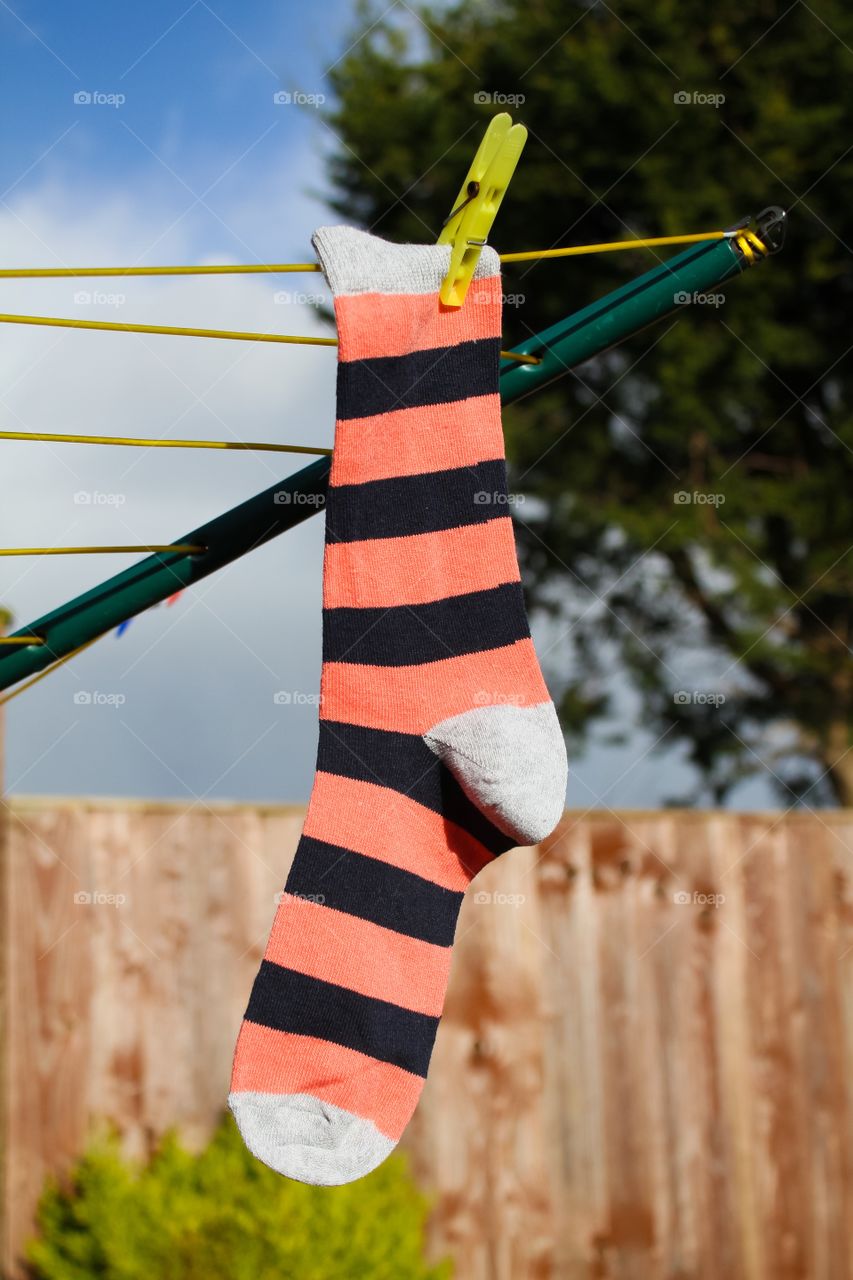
(405, 635)
(374, 890)
(290, 1001)
(404, 763)
(408, 505)
(439, 375)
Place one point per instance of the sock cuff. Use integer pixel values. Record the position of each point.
(354, 261)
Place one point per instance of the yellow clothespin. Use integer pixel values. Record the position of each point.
(474, 210)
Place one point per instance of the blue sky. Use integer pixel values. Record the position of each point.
(194, 91)
(196, 78)
(178, 152)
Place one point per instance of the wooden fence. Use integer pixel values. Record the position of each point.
(642, 1072)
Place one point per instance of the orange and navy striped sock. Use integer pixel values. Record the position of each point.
(439, 744)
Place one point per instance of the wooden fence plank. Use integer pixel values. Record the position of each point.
(643, 1068)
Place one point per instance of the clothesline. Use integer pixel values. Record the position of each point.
(49, 642)
(28, 684)
(59, 322)
(274, 268)
(145, 442)
(746, 239)
(71, 438)
(181, 548)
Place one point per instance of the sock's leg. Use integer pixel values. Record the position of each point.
(439, 746)
(419, 419)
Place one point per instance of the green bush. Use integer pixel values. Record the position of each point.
(221, 1215)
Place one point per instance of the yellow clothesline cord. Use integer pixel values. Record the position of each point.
(58, 322)
(272, 268)
(49, 273)
(63, 323)
(28, 684)
(145, 442)
(611, 246)
(182, 548)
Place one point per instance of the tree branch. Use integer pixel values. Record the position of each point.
(718, 625)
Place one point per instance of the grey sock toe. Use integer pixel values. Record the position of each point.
(305, 1138)
(511, 761)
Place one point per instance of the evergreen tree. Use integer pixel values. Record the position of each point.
(746, 597)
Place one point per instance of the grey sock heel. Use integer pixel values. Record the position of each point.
(511, 761)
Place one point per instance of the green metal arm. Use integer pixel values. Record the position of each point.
(563, 346)
(618, 315)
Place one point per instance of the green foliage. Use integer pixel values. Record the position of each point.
(750, 400)
(222, 1215)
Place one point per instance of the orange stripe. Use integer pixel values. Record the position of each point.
(383, 824)
(413, 442)
(268, 1061)
(396, 324)
(359, 955)
(382, 572)
(413, 699)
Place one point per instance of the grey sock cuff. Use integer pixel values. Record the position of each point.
(355, 261)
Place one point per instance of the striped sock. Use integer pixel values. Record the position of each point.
(439, 745)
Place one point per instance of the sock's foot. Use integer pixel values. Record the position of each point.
(511, 762)
(308, 1139)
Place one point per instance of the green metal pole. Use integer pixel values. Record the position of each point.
(159, 576)
(626, 311)
(564, 346)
